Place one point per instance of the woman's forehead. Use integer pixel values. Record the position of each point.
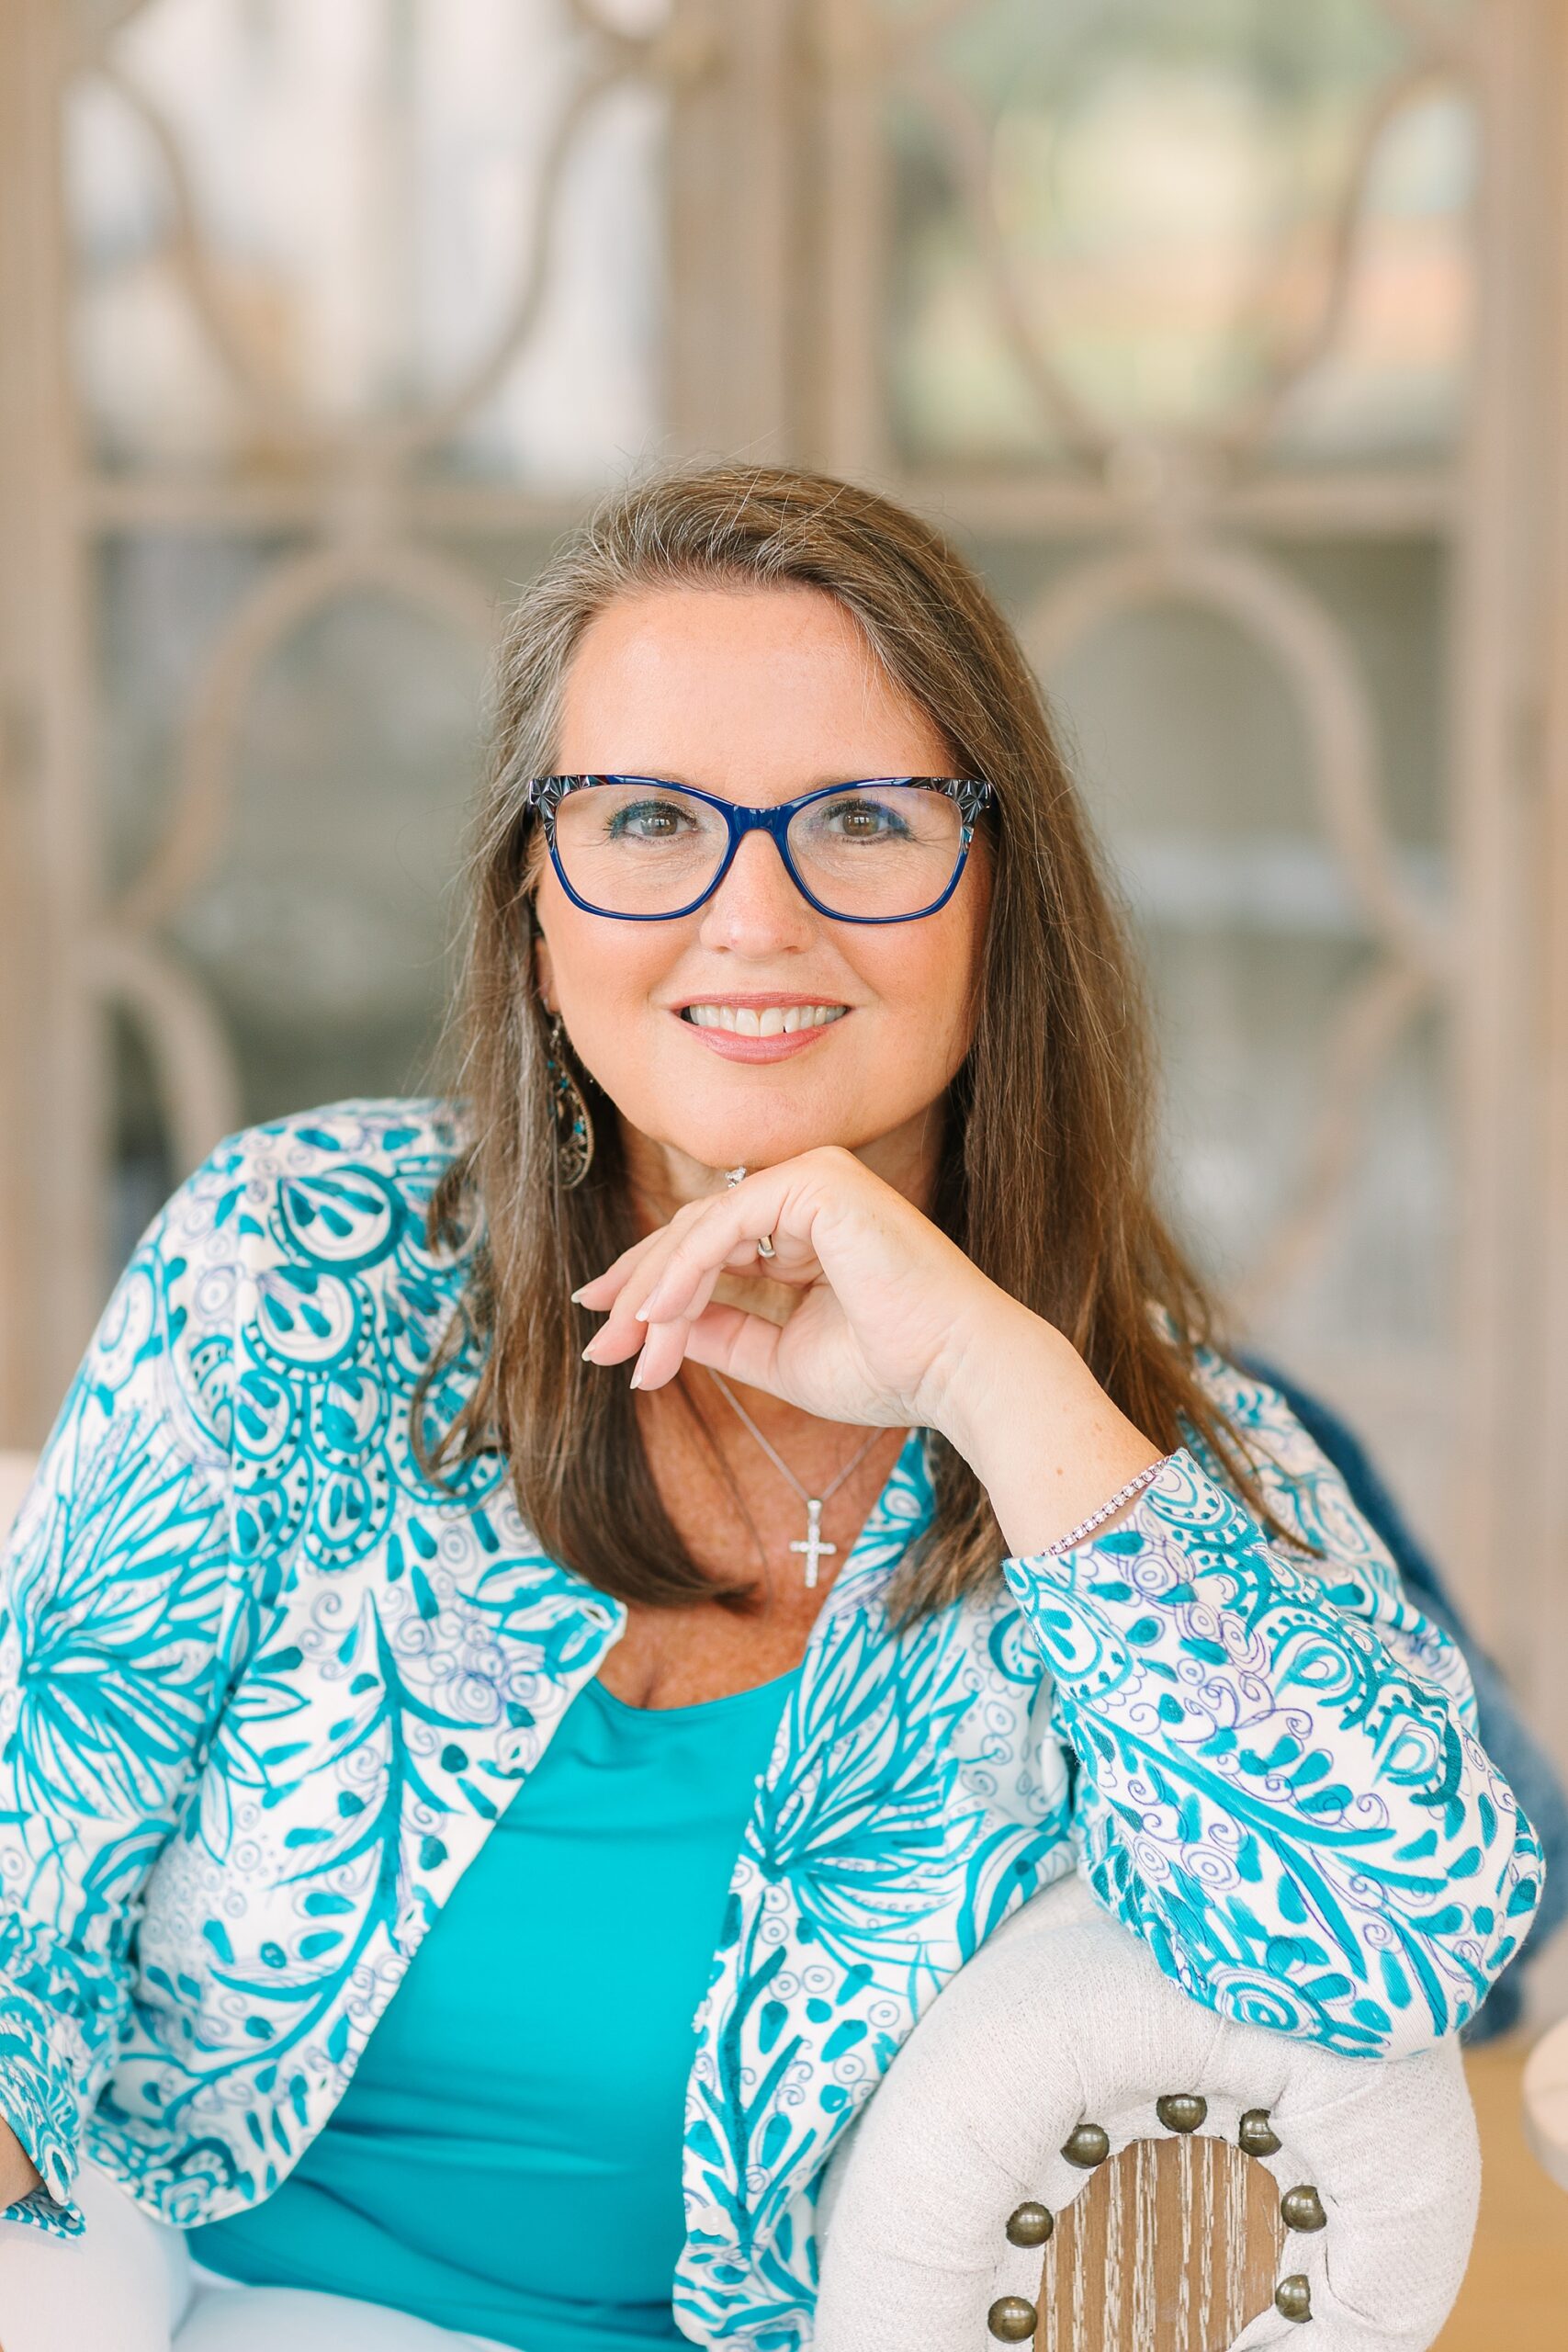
(707, 679)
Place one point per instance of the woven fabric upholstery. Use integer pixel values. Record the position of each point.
(1063, 2017)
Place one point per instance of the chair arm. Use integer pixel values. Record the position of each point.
(1064, 2018)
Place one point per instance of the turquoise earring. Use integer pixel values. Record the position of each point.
(574, 1128)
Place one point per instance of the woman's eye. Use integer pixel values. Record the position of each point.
(864, 819)
(646, 820)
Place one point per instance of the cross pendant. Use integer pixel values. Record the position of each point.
(813, 1546)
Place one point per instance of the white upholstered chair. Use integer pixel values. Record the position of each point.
(1069, 2153)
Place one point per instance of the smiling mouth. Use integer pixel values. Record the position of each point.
(768, 1021)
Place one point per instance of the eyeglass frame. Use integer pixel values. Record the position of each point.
(542, 796)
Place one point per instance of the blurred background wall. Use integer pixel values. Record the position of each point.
(1224, 335)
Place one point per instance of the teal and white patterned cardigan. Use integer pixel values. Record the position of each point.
(263, 1690)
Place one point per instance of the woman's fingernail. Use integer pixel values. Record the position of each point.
(577, 1294)
(588, 1350)
(636, 1373)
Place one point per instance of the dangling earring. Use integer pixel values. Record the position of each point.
(574, 1128)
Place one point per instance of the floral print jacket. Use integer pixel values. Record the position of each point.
(265, 1689)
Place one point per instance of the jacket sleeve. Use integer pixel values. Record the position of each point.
(115, 1605)
(1279, 1784)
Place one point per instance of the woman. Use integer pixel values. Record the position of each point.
(483, 1811)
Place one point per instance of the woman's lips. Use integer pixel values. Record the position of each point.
(732, 1047)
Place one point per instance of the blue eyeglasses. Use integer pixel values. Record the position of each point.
(881, 849)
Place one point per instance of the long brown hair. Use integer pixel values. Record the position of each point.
(1045, 1176)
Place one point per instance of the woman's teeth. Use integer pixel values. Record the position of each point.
(772, 1021)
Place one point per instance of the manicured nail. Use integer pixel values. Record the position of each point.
(588, 1350)
(636, 1373)
(577, 1294)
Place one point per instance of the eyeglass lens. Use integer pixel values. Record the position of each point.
(636, 849)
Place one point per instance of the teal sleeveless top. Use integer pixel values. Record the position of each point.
(506, 2160)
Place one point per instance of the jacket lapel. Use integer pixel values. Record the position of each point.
(891, 1833)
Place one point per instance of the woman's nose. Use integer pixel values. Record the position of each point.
(757, 907)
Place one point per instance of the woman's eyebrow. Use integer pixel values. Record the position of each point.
(691, 784)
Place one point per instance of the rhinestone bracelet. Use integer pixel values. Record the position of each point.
(1108, 1510)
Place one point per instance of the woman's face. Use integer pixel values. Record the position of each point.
(757, 695)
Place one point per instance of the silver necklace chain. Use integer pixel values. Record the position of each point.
(812, 1543)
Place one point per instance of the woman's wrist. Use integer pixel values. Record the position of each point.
(1046, 1442)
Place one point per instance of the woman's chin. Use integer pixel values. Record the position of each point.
(743, 1147)
(731, 1135)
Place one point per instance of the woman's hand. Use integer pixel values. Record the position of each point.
(891, 1308)
(897, 1329)
(19, 2175)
